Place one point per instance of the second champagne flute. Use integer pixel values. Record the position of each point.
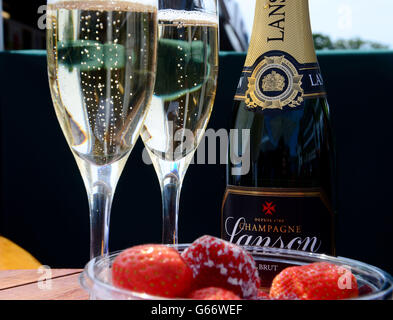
(187, 68)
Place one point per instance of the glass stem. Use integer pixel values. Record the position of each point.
(171, 188)
(100, 182)
(100, 203)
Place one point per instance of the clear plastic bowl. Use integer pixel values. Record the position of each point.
(96, 277)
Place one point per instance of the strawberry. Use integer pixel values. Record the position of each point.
(153, 269)
(317, 281)
(217, 263)
(283, 285)
(213, 293)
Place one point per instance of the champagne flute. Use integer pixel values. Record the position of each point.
(101, 65)
(187, 68)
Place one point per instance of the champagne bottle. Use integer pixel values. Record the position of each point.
(284, 196)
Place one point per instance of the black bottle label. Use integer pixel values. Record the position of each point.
(297, 219)
(278, 81)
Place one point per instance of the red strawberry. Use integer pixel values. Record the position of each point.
(217, 263)
(283, 287)
(317, 281)
(153, 269)
(213, 293)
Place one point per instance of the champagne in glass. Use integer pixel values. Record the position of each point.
(187, 67)
(101, 63)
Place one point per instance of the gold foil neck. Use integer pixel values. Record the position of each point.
(298, 40)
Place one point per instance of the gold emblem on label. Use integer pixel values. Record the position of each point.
(280, 87)
(273, 82)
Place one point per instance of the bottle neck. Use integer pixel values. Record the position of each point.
(282, 25)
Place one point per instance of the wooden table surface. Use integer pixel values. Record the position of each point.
(58, 284)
